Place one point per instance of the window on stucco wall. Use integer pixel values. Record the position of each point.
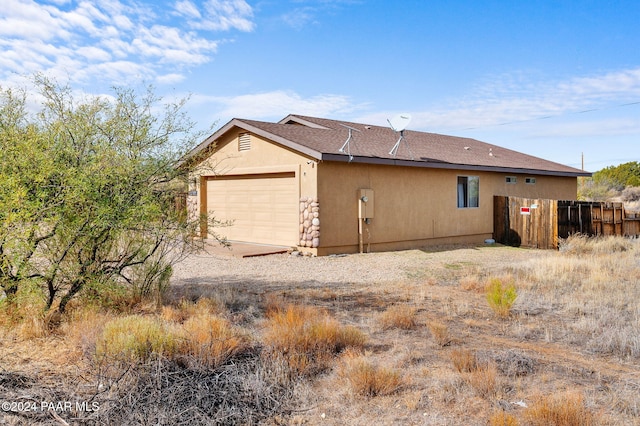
(468, 191)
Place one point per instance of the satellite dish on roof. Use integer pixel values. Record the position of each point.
(398, 123)
(349, 139)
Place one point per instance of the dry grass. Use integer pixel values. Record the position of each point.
(83, 329)
(483, 377)
(26, 316)
(578, 244)
(464, 360)
(137, 338)
(484, 380)
(399, 316)
(209, 341)
(185, 309)
(500, 418)
(202, 340)
(574, 326)
(439, 332)
(598, 293)
(368, 379)
(560, 410)
(308, 337)
(471, 283)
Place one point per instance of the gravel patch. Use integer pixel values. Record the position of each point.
(367, 268)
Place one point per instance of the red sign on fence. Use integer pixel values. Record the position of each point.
(525, 210)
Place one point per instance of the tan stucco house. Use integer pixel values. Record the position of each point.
(328, 186)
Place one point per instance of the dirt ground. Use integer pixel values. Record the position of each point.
(445, 287)
(529, 355)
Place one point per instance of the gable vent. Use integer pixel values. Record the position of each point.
(244, 142)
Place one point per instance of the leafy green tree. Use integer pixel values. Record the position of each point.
(88, 189)
(619, 177)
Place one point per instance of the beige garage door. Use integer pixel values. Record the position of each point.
(264, 208)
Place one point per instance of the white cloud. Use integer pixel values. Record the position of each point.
(520, 98)
(188, 9)
(299, 18)
(171, 45)
(223, 15)
(604, 127)
(305, 14)
(277, 104)
(614, 84)
(82, 40)
(94, 54)
(170, 78)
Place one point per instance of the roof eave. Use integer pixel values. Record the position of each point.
(449, 166)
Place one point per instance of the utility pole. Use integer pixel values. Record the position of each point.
(583, 161)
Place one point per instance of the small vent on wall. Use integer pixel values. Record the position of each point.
(244, 142)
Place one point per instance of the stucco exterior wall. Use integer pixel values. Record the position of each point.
(263, 157)
(414, 207)
(226, 158)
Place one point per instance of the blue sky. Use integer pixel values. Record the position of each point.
(553, 79)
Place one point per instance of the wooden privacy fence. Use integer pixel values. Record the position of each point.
(540, 223)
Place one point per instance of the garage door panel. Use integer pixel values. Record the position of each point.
(264, 209)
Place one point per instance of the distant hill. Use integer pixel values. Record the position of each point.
(619, 177)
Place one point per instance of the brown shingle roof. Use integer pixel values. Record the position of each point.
(322, 139)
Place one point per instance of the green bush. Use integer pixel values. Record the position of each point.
(501, 297)
(137, 338)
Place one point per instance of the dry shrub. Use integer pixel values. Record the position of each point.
(307, 337)
(165, 392)
(440, 333)
(210, 341)
(484, 380)
(399, 316)
(514, 363)
(471, 283)
(583, 244)
(185, 309)
(137, 338)
(368, 379)
(501, 418)
(559, 410)
(464, 360)
(33, 327)
(83, 327)
(25, 313)
(449, 390)
(501, 297)
(416, 400)
(481, 376)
